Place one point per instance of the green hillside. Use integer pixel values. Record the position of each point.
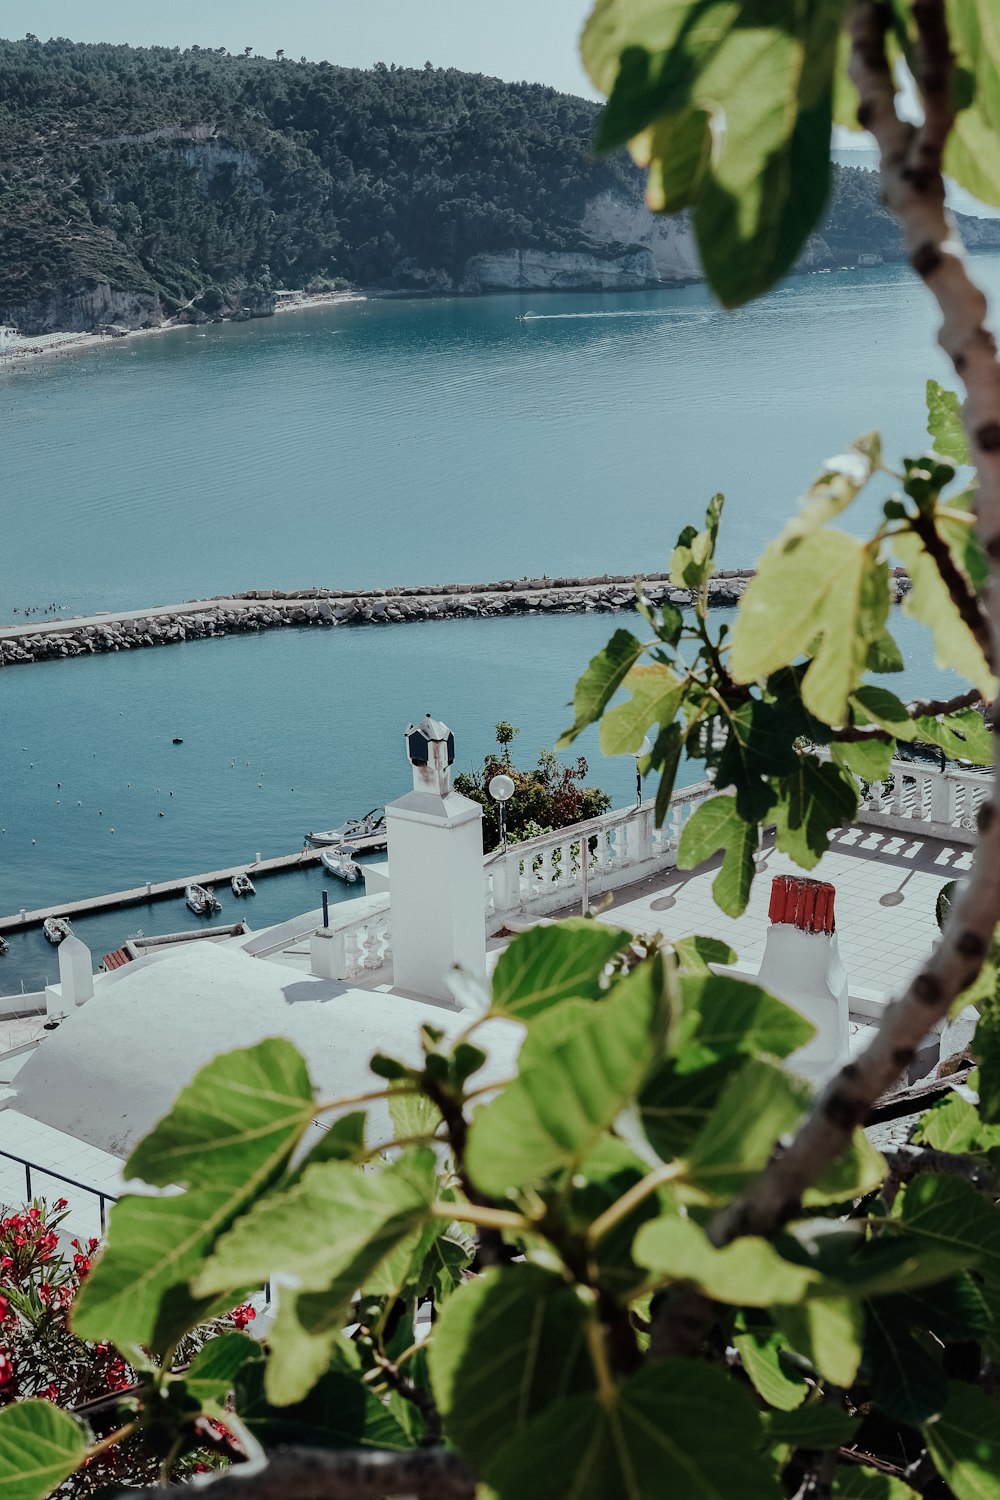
(178, 175)
(304, 170)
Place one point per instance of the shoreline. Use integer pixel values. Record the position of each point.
(29, 349)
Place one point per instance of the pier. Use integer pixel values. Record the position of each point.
(159, 890)
(267, 609)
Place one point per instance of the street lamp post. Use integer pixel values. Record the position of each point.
(644, 749)
(501, 789)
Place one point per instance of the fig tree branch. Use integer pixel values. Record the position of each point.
(914, 190)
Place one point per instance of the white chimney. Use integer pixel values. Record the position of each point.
(76, 979)
(76, 971)
(802, 966)
(435, 841)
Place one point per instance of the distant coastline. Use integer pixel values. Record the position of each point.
(20, 350)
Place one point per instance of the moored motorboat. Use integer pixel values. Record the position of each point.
(340, 863)
(201, 899)
(56, 928)
(4, 946)
(370, 826)
(242, 885)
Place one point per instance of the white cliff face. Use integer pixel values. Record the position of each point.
(80, 311)
(615, 219)
(557, 270)
(209, 155)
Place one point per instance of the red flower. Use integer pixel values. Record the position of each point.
(6, 1368)
(243, 1314)
(61, 1203)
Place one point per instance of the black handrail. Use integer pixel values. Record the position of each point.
(98, 1193)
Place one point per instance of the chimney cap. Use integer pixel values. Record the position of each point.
(419, 738)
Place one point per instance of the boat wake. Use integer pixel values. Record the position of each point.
(684, 315)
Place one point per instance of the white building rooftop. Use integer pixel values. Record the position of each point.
(80, 1100)
(116, 1064)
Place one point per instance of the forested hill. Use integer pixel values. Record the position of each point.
(137, 182)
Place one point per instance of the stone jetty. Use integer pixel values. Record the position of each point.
(269, 609)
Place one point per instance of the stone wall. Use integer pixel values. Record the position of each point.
(268, 609)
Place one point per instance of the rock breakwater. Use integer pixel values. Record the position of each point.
(269, 609)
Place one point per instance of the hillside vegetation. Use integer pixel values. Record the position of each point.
(177, 175)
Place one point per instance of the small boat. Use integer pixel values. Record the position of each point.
(340, 863)
(4, 946)
(370, 826)
(56, 928)
(177, 740)
(202, 900)
(242, 885)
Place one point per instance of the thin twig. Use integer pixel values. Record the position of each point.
(631, 1199)
(919, 708)
(965, 600)
(907, 1161)
(414, 1394)
(933, 708)
(492, 1248)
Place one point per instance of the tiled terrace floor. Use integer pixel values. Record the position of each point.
(887, 885)
(45, 1147)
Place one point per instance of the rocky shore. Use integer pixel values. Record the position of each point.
(268, 609)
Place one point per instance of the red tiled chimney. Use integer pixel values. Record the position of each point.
(801, 965)
(803, 903)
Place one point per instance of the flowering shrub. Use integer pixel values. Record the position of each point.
(41, 1273)
(39, 1281)
(547, 797)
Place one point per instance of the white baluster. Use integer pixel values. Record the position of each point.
(942, 800)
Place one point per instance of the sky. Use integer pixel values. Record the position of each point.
(535, 40)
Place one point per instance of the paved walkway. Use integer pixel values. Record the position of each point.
(887, 885)
(53, 1152)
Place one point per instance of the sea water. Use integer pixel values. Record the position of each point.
(370, 444)
(384, 442)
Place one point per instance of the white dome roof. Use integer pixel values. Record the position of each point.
(116, 1064)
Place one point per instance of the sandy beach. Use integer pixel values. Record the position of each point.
(18, 350)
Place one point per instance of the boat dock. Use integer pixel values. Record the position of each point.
(156, 890)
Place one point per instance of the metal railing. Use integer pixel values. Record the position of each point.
(34, 1166)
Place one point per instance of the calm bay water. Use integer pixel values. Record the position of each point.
(378, 443)
(429, 441)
